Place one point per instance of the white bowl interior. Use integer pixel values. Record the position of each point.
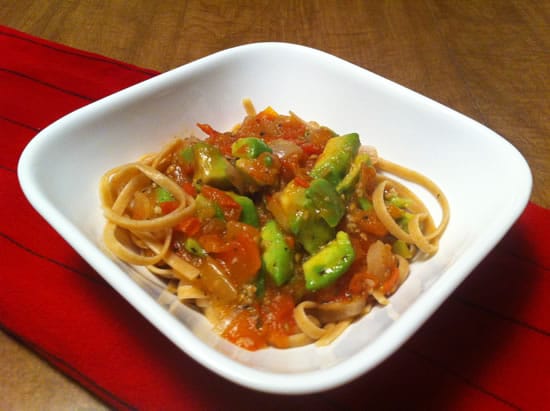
(473, 165)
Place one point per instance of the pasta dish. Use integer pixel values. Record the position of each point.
(280, 231)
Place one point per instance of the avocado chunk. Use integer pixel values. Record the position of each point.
(249, 214)
(350, 179)
(277, 257)
(249, 147)
(313, 234)
(401, 248)
(187, 156)
(299, 216)
(326, 201)
(333, 260)
(194, 247)
(206, 208)
(295, 207)
(212, 168)
(162, 195)
(335, 160)
(365, 204)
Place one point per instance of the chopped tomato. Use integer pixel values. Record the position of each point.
(222, 141)
(278, 318)
(242, 259)
(291, 128)
(270, 125)
(189, 188)
(230, 208)
(369, 222)
(290, 241)
(168, 206)
(238, 249)
(361, 283)
(268, 114)
(236, 227)
(311, 148)
(245, 330)
(190, 225)
(208, 130)
(214, 243)
(290, 167)
(271, 323)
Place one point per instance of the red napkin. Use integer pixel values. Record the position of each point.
(487, 347)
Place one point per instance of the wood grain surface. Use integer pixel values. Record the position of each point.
(489, 60)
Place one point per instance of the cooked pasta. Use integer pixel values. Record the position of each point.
(280, 231)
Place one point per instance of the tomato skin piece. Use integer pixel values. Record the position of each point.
(236, 227)
(368, 222)
(310, 148)
(245, 330)
(190, 226)
(219, 196)
(361, 283)
(189, 188)
(261, 325)
(168, 206)
(222, 141)
(238, 249)
(230, 208)
(269, 125)
(268, 114)
(242, 259)
(207, 128)
(214, 243)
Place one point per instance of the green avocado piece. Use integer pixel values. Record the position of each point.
(249, 214)
(302, 218)
(162, 195)
(349, 180)
(313, 234)
(205, 208)
(335, 160)
(365, 204)
(194, 247)
(212, 168)
(294, 205)
(187, 156)
(326, 201)
(401, 248)
(277, 257)
(333, 260)
(249, 147)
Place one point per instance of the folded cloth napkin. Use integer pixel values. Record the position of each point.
(487, 347)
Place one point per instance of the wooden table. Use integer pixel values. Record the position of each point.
(486, 59)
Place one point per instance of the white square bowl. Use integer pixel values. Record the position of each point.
(473, 165)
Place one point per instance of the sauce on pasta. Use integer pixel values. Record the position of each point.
(281, 231)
